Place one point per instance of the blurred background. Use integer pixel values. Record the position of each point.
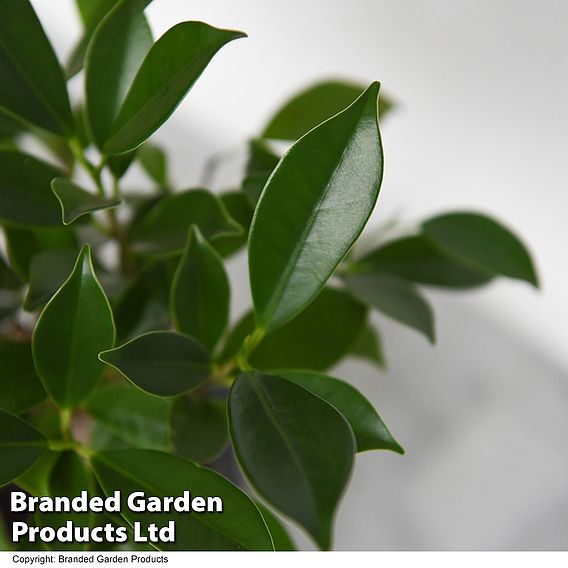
(481, 90)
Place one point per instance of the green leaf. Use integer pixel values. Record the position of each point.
(76, 201)
(155, 163)
(119, 163)
(144, 305)
(280, 537)
(200, 292)
(316, 339)
(419, 259)
(395, 297)
(36, 479)
(67, 479)
(75, 326)
(48, 271)
(483, 242)
(25, 189)
(20, 388)
(163, 363)
(370, 431)
(239, 208)
(140, 420)
(23, 244)
(369, 346)
(199, 428)
(239, 527)
(8, 278)
(20, 447)
(314, 105)
(113, 58)
(312, 210)
(33, 86)
(260, 164)
(172, 66)
(164, 228)
(295, 448)
(91, 12)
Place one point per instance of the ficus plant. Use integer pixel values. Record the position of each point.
(119, 367)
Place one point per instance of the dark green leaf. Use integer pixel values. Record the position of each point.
(240, 209)
(36, 479)
(199, 428)
(172, 66)
(113, 58)
(67, 479)
(25, 189)
(368, 346)
(164, 228)
(23, 244)
(140, 420)
(155, 163)
(395, 297)
(8, 278)
(144, 305)
(239, 527)
(91, 12)
(314, 105)
(316, 339)
(200, 292)
(419, 259)
(33, 86)
(20, 387)
(20, 447)
(295, 448)
(9, 127)
(370, 431)
(280, 537)
(48, 270)
(75, 326)
(261, 163)
(120, 163)
(76, 201)
(163, 363)
(5, 541)
(313, 209)
(483, 242)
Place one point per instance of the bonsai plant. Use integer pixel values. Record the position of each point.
(125, 374)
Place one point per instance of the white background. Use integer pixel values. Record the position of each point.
(482, 112)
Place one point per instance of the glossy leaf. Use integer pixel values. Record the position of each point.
(239, 527)
(67, 478)
(76, 201)
(140, 420)
(370, 431)
(240, 209)
(396, 298)
(144, 304)
(48, 271)
(163, 363)
(155, 163)
(20, 387)
(75, 326)
(316, 339)
(368, 346)
(312, 210)
(296, 449)
(164, 228)
(314, 105)
(21, 446)
(419, 259)
(91, 12)
(23, 244)
(199, 428)
(33, 86)
(484, 242)
(280, 537)
(113, 58)
(172, 66)
(25, 189)
(200, 292)
(260, 164)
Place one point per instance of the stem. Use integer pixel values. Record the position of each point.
(248, 346)
(65, 417)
